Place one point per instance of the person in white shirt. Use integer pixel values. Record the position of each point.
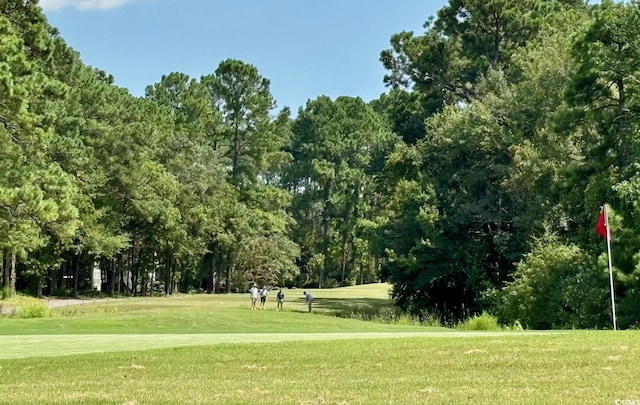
(253, 293)
(263, 296)
(308, 299)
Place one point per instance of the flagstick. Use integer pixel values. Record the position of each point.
(613, 301)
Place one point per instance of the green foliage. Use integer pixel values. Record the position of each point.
(243, 99)
(20, 306)
(506, 122)
(527, 133)
(31, 310)
(467, 39)
(389, 315)
(337, 147)
(483, 321)
(556, 286)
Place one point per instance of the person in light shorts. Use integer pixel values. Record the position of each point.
(253, 293)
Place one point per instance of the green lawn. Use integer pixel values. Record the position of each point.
(189, 314)
(213, 349)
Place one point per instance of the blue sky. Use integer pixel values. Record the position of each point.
(305, 48)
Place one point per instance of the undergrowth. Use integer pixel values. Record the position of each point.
(84, 310)
(387, 315)
(25, 309)
(480, 322)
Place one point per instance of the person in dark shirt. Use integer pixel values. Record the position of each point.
(280, 298)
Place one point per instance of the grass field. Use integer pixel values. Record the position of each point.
(213, 349)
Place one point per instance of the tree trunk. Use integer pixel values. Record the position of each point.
(326, 223)
(112, 277)
(167, 278)
(118, 274)
(235, 160)
(348, 245)
(214, 274)
(76, 274)
(144, 282)
(123, 285)
(5, 269)
(218, 271)
(344, 258)
(12, 275)
(152, 282)
(185, 283)
(137, 266)
(39, 287)
(58, 277)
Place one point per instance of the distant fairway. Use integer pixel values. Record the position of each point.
(205, 349)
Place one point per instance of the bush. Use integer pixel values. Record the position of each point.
(556, 286)
(24, 306)
(480, 322)
(387, 315)
(34, 309)
(83, 310)
(390, 315)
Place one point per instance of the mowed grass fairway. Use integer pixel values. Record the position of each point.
(213, 349)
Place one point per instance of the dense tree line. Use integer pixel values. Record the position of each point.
(472, 185)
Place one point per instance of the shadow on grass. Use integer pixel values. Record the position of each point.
(347, 307)
(369, 309)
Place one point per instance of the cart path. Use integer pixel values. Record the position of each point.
(63, 302)
(58, 302)
(23, 346)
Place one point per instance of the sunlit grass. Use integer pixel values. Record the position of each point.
(209, 314)
(202, 349)
(569, 368)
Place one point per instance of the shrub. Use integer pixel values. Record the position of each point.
(556, 285)
(480, 322)
(33, 309)
(387, 315)
(406, 320)
(383, 315)
(83, 310)
(24, 306)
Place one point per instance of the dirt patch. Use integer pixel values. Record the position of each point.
(7, 310)
(63, 302)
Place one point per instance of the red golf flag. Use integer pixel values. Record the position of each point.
(601, 226)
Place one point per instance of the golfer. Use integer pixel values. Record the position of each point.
(308, 299)
(263, 296)
(280, 298)
(253, 293)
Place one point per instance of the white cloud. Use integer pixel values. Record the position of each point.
(83, 4)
